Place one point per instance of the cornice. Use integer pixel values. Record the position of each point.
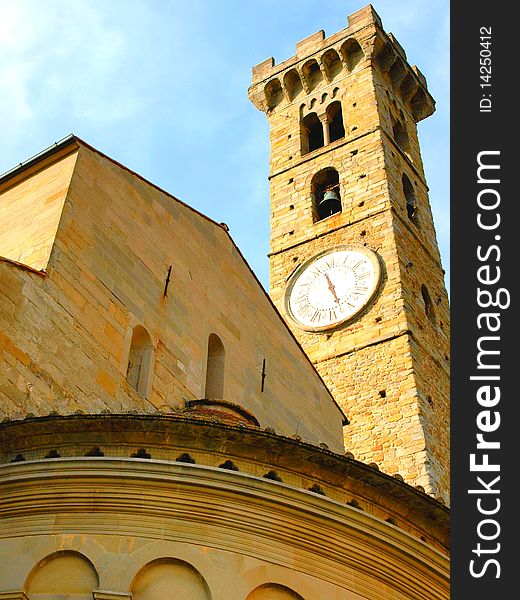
(223, 509)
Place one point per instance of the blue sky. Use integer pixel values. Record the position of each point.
(161, 86)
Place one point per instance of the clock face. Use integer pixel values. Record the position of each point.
(332, 287)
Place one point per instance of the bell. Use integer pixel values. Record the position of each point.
(329, 205)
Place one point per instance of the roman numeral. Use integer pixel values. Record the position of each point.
(363, 275)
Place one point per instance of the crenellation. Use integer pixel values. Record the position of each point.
(362, 17)
(369, 40)
(310, 44)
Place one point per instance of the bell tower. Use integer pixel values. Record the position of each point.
(354, 263)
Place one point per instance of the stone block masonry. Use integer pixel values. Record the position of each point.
(389, 366)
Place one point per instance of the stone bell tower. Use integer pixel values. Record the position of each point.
(354, 263)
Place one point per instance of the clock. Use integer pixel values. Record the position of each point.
(332, 287)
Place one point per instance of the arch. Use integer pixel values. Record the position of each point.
(397, 73)
(401, 136)
(352, 53)
(140, 362)
(64, 574)
(215, 368)
(335, 121)
(273, 591)
(411, 200)
(312, 73)
(326, 180)
(273, 93)
(333, 64)
(428, 304)
(419, 105)
(386, 57)
(407, 87)
(311, 137)
(169, 579)
(293, 84)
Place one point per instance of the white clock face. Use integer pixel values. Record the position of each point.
(332, 287)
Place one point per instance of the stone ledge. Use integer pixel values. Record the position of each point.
(171, 435)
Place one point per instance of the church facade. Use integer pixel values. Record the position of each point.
(169, 430)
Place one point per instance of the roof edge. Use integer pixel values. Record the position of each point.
(33, 160)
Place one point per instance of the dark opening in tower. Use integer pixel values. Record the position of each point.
(335, 121)
(428, 304)
(401, 137)
(411, 201)
(325, 193)
(311, 133)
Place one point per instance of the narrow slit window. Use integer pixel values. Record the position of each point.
(411, 200)
(140, 362)
(215, 368)
(428, 304)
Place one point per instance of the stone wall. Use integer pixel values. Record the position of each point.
(67, 333)
(31, 210)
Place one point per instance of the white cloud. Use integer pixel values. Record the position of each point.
(59, 60)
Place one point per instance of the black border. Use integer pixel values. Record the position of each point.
(473, 131)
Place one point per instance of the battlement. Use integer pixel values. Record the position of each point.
(320, 60)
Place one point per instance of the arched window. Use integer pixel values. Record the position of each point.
(215, 368)
(428, 304)
(325, 193)
(335, 121)
(273, 591)
(311, 133)
(140, 362)
(411, 201)
(64, 575)
(169, 578)
(401, 137)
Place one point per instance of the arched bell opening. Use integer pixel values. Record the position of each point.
(335, 121)
(325, 194)
(312, 136)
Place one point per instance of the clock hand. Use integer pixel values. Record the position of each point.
(331, 287)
